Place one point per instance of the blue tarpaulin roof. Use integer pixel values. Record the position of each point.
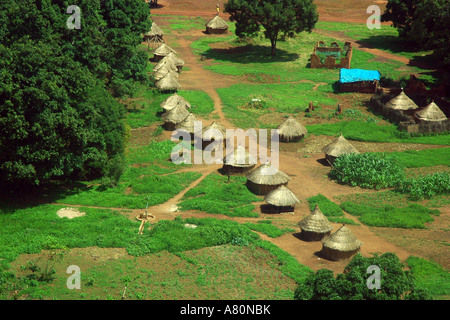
(355, 75)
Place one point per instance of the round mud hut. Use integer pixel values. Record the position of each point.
(401, 102)
(240, 161)
(216, 25)
(169, 82)
(431, 113)
(188, 125)
(155, 35)
(162, 51)
(337, 148)
(266, 178)
(174, 117)
(340, 245)
(315, 227)
(177, 61)
(209, 134)
(280, 200)
(173, 100)
(291, 130)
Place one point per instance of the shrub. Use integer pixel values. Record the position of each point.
(367, 170)
(352, 284)
(426, 186)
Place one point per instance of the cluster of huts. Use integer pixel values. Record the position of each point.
(411, 118)
(272, 183)
(167, 69)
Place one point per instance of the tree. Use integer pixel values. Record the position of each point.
(401, 13)
(424, 23)
(395, 282)
(275, 16)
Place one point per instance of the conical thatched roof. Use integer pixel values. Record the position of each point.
(281, 197)
(209, 134)
(339, 147)
(316, 222)
(173, 100)
(168, 82)
(155, 30)
(266, 174)
(187, 124)
(291, 129)
(217, 23)
(167, 63)
(401, 102)
(431, 113)
(239, 158)
(162, 72)
(176, 115)
(177, 61)
(163, 50)
(342, 240)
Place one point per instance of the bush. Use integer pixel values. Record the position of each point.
(426, 186)
(367, 170)
(395, 283)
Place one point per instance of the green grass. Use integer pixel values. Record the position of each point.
(423, 158)
(144, 108)
(410, 217)
(28, 230)
(330, 209)
(430, 276)
(372, 132)
(266, 227)
(385, 39)
(216, 195)
(286, 98)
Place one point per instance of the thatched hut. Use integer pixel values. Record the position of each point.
(173, 100)
(155, 35)
(401, 102)
(188, 125)
(174, 116)
(216, 25)
(337, 148)
(165, 63)
(177, 61)
(315, 227)
(162, 72)
(209, 132)
(162, 51)
(431, 113)
(291, 130)
(240, 161)
(266, 178)
(169, 82)
(281, 200)
(340, 245)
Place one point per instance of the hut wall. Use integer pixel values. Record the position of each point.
(336, 255)
(231, 170)
(425, 126)
(169, 126)
(215, 31)
(290, 139)
(157, 58)
(360, 86)
(330, 159)
(330, 62)
(313, 236)
(261, 189)
(269, 208)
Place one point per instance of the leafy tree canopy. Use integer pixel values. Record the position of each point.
(395, 282)
(275, 16)
(58, 118)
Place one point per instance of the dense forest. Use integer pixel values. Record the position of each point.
(59, 116)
